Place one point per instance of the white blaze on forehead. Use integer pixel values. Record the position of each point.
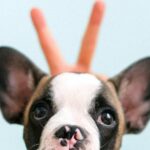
(75, 90)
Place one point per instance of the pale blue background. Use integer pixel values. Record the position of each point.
(125, 37)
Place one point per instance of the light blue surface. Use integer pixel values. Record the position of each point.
(125, 37)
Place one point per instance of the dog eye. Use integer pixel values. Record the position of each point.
(40, 111)
(107, 118)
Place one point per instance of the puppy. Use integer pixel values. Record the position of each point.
(73, 111)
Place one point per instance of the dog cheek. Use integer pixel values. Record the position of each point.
(94, 135)
(48, 140)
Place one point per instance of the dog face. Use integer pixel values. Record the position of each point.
(73, 111)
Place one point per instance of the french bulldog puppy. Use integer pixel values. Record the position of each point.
(73, 111)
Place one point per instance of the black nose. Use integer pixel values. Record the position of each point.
(68, 132)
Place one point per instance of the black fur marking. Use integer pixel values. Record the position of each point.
(107, 135)
(34, 128)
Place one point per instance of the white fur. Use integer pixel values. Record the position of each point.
(72, 95)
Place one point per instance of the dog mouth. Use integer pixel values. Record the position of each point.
(69, 147)
(60, 149)
(71, 144)
(65, 144)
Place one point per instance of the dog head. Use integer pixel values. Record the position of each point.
(73, 111)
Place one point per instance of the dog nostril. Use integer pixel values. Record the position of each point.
(63, 143)
(78, 135)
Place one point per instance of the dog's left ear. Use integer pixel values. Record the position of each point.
(133, 89)
(19, 77)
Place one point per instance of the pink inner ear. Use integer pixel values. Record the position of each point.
(20, 88)
(132, 95)
(17, 80)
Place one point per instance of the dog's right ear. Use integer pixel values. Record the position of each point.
(18, 79)
(133, 89)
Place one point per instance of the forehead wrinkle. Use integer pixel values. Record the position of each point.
(75, 90)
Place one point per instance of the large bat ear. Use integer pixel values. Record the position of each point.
(18, 80)
(133, 89)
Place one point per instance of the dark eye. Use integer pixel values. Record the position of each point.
(107, 118)
(40, 111)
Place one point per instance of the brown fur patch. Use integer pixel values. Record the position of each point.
(117, 105)
(38, 92)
